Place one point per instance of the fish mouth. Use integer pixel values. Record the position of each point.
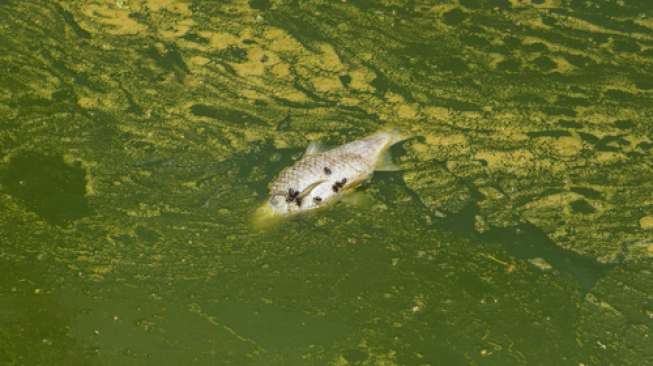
(265, 217)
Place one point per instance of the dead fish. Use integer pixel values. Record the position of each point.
(322, 177)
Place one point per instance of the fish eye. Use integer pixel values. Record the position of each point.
(275, 200)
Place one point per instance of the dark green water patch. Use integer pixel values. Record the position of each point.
(260, 4)
(474, 40)
(146, 234)
(345, 80)
(645, 146)
(570, 101)
(635, 155)
(454, 16)
(588, 137)
(582, 207)
(611, 143)
(644, 82)
(625, 45)
(455, 104)
(536, 47)
(48, 186)
(619, 95)
(501, 4)
(367, 5)
(509, 65)
(471, 4)
(570, 124)
(587, 192)
(454, 65)
(525, 241)
(233, 54)
(194, 37)
(624, 124)
(544, 63)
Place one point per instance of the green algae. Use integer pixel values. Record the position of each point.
(145, 134)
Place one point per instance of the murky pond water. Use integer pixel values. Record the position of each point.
(137, 139)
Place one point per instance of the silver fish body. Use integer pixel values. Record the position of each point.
(322, 177)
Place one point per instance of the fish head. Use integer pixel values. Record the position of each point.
(278, 207)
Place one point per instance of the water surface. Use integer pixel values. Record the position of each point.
(137, 138)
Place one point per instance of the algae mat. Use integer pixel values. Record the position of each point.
(138, 137)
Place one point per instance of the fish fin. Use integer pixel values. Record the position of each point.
(358, 199)
(314, 147)
(354, 183)
(385, 163)
(310, 188)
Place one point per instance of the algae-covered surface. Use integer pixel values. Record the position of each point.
(137, 138)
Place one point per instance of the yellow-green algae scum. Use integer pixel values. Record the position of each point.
(137, 138)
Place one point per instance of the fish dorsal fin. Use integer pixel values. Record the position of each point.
(314, 147)
(359, 199)
(309, 189)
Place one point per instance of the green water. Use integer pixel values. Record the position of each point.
(138, 138)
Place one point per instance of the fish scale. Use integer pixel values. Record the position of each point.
(322, 177)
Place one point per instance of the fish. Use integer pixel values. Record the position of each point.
(322, 177)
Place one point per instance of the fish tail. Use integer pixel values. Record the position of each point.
(396, 136)
(388, 138)
(393, 136)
